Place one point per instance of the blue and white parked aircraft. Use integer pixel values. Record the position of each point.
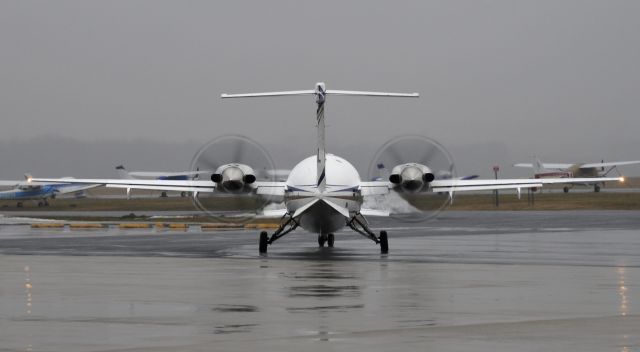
(324, 192)
(40, 192)
(159, 175)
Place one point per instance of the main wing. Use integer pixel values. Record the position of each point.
(200, 186)
(489, 185)
(383, 187)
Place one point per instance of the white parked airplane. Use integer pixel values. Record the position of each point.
(564, 170)
(324, 192)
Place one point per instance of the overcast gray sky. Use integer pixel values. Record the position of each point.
(500, 81)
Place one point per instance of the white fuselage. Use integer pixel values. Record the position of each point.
(341, 195)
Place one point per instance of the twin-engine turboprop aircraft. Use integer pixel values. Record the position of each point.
(324, 192)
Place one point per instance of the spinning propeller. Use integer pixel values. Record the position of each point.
(238, 163)
(410, 163)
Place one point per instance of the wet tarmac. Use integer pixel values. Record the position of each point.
(468, 281)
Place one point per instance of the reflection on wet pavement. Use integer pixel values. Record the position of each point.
(573, 289)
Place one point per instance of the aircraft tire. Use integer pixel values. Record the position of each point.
(264, 239)
(321, 240)
(330, 240)
(596, 188)
(384, 242)
(566, 189)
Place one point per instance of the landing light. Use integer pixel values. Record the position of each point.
(621, 179)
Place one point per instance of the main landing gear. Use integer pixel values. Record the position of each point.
(359, 224)
(328, 239)
(289, 225)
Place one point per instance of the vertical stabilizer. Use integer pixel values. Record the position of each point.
(320, 152)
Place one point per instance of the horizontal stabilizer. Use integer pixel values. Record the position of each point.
(269, 94)
(371, 94)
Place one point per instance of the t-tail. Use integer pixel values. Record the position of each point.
(321, 93)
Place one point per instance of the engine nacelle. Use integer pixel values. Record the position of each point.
(411, 178)
(234, 178)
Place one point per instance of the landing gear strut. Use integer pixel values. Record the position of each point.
(359, 224)
(289, 225)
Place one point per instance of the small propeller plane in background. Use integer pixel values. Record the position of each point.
(40, 192)
(564, 170)
(324, 192)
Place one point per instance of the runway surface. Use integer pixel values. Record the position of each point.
(468, 281)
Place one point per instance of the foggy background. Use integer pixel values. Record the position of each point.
(88, 85)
